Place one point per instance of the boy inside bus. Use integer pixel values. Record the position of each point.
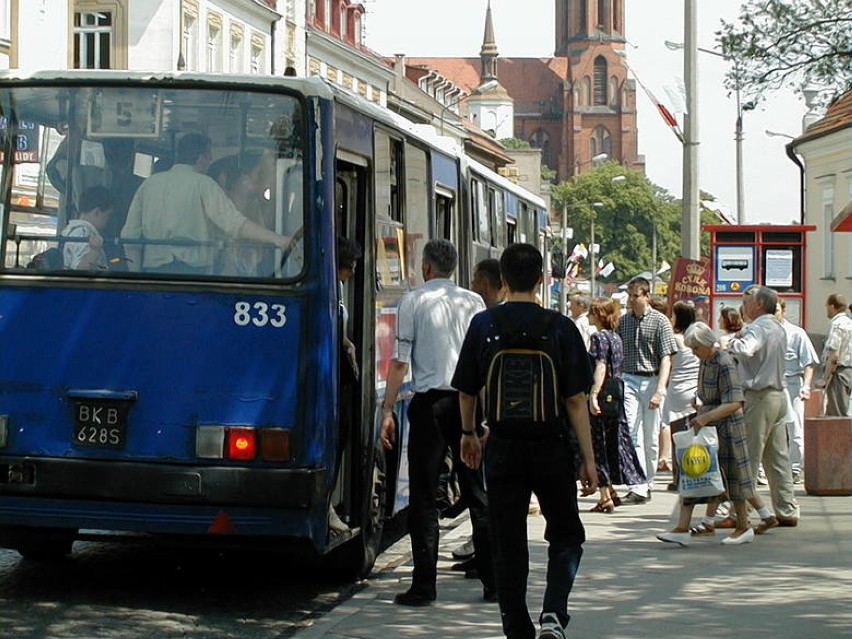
(83, 242)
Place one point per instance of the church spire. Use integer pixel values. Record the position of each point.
(488, 53)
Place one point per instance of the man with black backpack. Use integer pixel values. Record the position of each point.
(534, 370)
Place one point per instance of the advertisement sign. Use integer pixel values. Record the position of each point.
(735, 268)
(25, 142)
(689, 283)
(779, 268)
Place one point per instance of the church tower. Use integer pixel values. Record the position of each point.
(493, 111)
(600, 104)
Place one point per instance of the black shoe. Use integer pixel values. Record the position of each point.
(464, 566)
(414, 598)
(489, 594)
(634, 499)
(473, 573)
(672, 488)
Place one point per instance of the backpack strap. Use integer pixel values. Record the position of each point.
(507, 331)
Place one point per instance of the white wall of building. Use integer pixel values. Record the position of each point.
(43, 34)
(828, 175)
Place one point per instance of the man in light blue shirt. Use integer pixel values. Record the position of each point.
(800, 362)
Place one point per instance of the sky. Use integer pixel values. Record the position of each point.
(525, 28)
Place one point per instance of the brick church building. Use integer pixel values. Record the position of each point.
(574, 106)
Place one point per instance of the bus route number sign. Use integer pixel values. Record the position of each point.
(100, 423)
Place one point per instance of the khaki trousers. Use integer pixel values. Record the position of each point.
(765, 413)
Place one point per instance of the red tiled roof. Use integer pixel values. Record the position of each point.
(838, 116)
(525, 79)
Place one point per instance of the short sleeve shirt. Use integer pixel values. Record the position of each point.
(568, 350)
(647, 339)
(80, 231)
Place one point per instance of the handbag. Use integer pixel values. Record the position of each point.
(698, 458)
(611, 396)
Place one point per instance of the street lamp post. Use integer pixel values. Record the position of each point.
(482, 88)
(738, 129)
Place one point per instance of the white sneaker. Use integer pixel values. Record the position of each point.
(335, 523)
(465, 551)
(746, 538)
(550, 627)
(680, 538)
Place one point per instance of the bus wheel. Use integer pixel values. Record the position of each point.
(356, 558)
(43, 544)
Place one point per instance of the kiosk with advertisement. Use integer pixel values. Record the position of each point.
(773, 256)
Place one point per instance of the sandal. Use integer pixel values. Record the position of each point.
(603, 507)
(614, 498)
(702, 529)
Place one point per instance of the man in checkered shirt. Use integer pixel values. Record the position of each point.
(648, 346)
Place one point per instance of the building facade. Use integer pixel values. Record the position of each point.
(826, 148)
(574, 106)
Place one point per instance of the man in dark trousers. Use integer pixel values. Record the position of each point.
(535, 457)
(431, 325)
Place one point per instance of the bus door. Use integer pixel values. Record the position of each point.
(351, 192)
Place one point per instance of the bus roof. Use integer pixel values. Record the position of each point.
(306, 86)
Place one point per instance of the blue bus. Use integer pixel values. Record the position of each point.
(206, 404)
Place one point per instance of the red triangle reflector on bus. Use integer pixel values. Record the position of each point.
(222, 525)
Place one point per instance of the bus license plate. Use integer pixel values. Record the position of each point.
(100, 423)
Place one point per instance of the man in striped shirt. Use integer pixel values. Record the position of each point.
(649, 343)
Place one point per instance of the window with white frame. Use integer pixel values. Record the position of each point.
(327, 15)
(93, 39)
(343, 22)
(359, 32)
(190, 42)
(5, 20)
(214, 47)
(828, 236)
(849, 235)
(235, 53)
(257, 66)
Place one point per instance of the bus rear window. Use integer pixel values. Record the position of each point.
(164, 182)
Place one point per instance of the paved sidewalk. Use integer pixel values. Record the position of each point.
(791, 582)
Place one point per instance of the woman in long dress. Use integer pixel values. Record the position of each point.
(615, 456)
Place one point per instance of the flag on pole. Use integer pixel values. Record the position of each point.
(607, 270)
(665, 266)
(667, 116)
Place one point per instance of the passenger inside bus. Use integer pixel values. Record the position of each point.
(83, 242)
(167, 227)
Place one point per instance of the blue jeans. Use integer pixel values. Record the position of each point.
(514, 469)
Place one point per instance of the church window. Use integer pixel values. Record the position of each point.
(600, 81)
(600, 142)
(587, 91)
(602, 16)
(541, 140)
(616, 17)
(613, 91)
(584, 18)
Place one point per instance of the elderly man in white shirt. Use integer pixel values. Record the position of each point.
(578, 305)
(759, 350)
(837, 357)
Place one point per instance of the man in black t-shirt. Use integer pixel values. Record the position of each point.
(540, 460)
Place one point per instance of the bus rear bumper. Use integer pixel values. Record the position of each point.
(156, 483)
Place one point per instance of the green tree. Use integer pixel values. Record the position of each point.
(515, 143)
(790, 43)
(631, 210)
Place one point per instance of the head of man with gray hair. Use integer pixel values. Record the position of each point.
(579, 304)
(440, 259)
(759, 300)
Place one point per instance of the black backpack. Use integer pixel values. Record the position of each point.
(523, 380)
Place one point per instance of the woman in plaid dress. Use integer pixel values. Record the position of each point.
(720, 400)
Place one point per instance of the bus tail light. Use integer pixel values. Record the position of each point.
(275, 444)
(241, 443)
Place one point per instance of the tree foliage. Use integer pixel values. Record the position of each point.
(625, 223)
(515, 143)
(790, 43)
